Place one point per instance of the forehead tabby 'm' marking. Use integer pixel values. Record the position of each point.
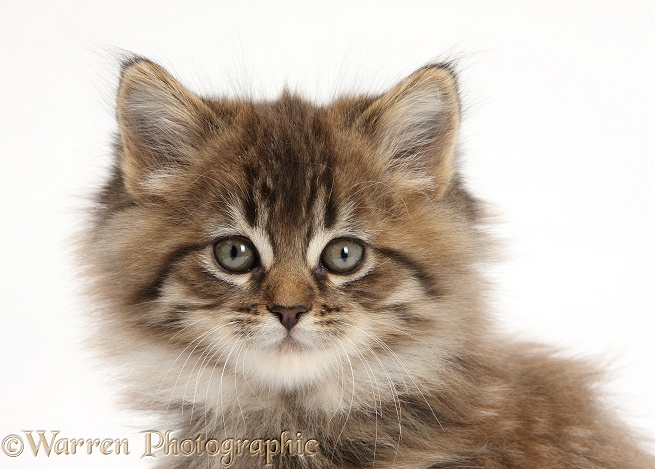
(288, 174)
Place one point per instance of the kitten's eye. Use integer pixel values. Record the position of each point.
(235, 254)
(342, 255)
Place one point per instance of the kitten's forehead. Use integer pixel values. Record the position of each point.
(288, 170)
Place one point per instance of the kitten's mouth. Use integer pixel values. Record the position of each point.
(290, 343)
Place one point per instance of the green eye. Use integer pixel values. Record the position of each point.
(342, 255)
(235, 254)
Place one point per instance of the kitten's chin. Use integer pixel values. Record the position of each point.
(290, 364)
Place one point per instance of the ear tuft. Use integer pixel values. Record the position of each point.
(161, 123)
(416, 124)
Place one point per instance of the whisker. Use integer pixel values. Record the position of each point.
(206, 362)
(198, 339)
(396, 358)
(236, 386)
(369, 373)
(352, 398)
(165, 357)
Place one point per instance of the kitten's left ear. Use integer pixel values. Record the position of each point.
(415, 125)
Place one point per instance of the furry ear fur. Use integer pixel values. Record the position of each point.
(416, 124)
(161, 123)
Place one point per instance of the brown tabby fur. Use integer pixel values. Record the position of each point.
(394, 365)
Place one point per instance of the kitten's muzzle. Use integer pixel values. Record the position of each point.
(288, 315)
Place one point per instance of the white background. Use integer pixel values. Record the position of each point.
(558, 135)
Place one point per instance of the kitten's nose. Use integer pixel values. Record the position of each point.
(288, 315)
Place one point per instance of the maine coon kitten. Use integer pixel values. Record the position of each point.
(277, 266)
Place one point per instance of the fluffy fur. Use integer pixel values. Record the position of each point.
(396, 363)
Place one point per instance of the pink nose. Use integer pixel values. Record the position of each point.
(288, 315)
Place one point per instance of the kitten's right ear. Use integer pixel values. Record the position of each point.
(161, 122)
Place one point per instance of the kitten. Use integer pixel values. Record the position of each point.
(277, 269)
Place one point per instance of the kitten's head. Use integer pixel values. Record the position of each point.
(284, 241)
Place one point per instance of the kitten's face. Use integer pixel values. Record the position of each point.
(282, 241)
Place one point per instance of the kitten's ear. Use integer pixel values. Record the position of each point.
(160, 122)
(416, 124)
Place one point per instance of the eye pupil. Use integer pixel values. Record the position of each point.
(344, 253)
